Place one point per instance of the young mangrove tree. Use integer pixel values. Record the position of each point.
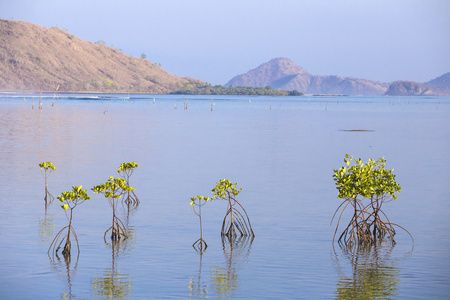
(113, 189)
(236, 220)
(126, 170)
(46, 169)
(365, 187)
(70, 200)
(199, 201)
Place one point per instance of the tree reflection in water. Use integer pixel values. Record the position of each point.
(46, 227)
(128, 210)
(198, 289)
(64, 269)
(113, 284)
(224, 279)
(374, 274)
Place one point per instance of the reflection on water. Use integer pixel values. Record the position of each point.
(46, 226)
(66, 270)
(373, 274)
(113, 284)
(197, 287)
(128, 209)
(224, 279)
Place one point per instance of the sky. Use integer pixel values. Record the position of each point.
(383, 40)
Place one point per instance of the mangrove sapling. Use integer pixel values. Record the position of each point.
(126, 170)
(360, 183)
(236, 220)
(46, 169)
(114, 189)
(70, 200)
(199, 244)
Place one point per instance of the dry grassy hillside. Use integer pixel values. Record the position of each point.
(34, 57)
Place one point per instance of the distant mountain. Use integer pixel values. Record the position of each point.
(409, 88)
(32, 57)
(441, 82)
(275, 73)
(285, 74)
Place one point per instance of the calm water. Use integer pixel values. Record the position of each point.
(281, 151)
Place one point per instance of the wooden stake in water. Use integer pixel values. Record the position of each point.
(54, 95)
(32, 103)
(40, 100)
(211, 103)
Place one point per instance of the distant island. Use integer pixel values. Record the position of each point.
(285, 74)
(410, 88)
(240, 90)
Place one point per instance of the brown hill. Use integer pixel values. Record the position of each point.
(410, 88)
(285, 74)
(32, 57)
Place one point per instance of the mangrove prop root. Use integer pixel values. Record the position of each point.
(117, 230)
(200, 245)
(131, 199)
(48, 197)
(368, 226)
(235, 222)
(60, 239)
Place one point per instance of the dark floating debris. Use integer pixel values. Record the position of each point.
(357, 130)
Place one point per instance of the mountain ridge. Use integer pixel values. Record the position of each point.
(267, 73)
(289, 76)
(441, 82)
(411, 88)
(34, 58)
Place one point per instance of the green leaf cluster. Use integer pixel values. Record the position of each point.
(224, 189)
(112, 188)
(365, 179)
(75, 196)
(128, 166)
(200, 198)
(47, 165)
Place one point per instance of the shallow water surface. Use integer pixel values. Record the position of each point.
(281, 151)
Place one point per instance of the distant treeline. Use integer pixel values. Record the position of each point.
(240, 90)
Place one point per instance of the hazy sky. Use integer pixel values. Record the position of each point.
(383, 40)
